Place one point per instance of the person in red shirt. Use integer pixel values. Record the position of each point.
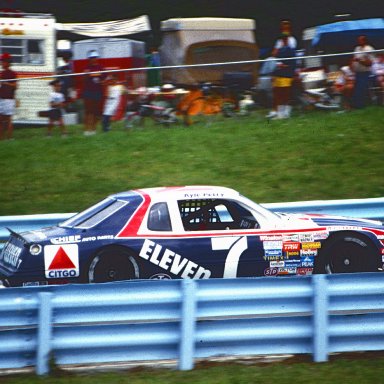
(93, 93)
(8, 85)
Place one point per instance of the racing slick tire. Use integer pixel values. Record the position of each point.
(113, 264)
(348, 253)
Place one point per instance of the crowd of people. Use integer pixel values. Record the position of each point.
(101, 93)
(355, 82)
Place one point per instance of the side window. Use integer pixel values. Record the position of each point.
(158, 218)
(214, 214)
(23, 51)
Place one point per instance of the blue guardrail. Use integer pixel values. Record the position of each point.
(189, 319)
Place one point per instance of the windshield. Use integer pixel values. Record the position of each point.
(95, 214)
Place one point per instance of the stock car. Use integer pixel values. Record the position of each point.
(194, 232)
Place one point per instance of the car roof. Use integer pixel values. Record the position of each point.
(183, 192)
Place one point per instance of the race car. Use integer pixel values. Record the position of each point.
(196, 232)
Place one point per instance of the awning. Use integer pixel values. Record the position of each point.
(337, 32)
(109, 28)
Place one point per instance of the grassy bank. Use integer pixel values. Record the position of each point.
(316, 155)
(356, 370)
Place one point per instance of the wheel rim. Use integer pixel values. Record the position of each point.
(108, 267)
(350, 256)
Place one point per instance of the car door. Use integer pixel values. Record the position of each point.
(209, 238)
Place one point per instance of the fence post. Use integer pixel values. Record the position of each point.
(44, 333)
(320, 318)
(188, 324)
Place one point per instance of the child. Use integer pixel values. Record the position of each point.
(56, 102)
(115, 90)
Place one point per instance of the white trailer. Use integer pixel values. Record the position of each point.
(31, 40)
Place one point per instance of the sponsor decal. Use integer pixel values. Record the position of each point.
(272, 253)
(287, 271)
(11, 255)
(61, 261)
(320, 236)
(342, 228)
(304, 271)
(291, 246)
(172, 262)
(273, 258)
(277, 264)
(160, 276)
(306, 237)
(307, 262)
(311, 245)
(308, 252)
(270, 272)
(293, 237)
(292, 254)
(95, 238)
(271, 238)
(86, 239)
(66, 239)
(105, 237)
(273, 245)
(292, 263)
(34, 283)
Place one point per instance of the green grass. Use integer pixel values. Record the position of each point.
(341, 370)
(316, 155)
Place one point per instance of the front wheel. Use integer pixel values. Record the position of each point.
(348, 253)
(113, 264)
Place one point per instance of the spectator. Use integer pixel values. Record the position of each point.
(153, 75)
(362, 64)
(344, 85)
(286, 40)
(8, 87)
(57, 103)
(92, 93)
(285, 30)
(67, 82)
(114, 92)
(378, 73)
(282, 81)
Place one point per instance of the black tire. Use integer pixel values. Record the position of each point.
(113, 264)
(348, 253)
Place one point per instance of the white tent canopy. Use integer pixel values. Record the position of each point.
(109, 28)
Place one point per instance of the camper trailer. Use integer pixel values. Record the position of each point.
(31, 40)
(207, 40)
(114, 54)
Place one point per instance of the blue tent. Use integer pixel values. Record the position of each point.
(345, 33)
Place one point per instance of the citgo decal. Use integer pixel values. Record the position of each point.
(61, 261)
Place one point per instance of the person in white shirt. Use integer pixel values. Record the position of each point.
(378, 73)
(57, 103)
(114, 92)
(362, 65)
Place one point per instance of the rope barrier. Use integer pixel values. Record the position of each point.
(188, 66)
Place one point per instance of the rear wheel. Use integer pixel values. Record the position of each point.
(113, 264)
(348, 253)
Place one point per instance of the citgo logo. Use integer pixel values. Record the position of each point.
(61, 261)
